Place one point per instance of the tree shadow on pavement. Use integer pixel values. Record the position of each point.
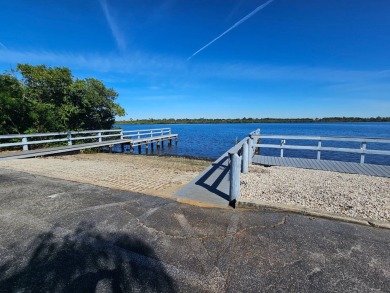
(85, 260)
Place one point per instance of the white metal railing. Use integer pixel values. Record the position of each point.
(71, 136)
(138, 134)
(363, 150)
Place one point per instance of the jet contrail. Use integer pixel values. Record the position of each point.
(233, 26)
(116, 32)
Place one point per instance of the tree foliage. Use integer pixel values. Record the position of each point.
(51, 99)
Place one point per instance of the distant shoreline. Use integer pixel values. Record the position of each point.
(254, 120)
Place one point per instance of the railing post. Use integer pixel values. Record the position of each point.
(282, 143)
(319, 150)
(69, 138)
(363, 147)
(245, 157)
(25, 145)
(256, 150)
(235, 169)
(139, 136)
(250, 150)
(121, 134)
(100, 136)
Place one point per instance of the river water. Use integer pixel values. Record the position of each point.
(212, 140)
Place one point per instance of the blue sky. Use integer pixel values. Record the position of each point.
(288, 58)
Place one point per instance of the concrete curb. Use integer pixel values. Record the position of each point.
(258, 204)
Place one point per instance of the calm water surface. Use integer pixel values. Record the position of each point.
(212, 140)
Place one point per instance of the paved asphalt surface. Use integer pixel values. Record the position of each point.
(62, 236)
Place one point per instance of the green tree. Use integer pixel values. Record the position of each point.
(15, 110)
(94, 105)
(51, 99)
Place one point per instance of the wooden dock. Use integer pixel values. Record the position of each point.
(326, 165)
(133, 138)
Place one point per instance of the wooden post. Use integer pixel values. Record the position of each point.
(235, 169)
(139, 149)
(245, 157)
(151, 145)
(122, 147)
(162, 143)
(257, 149)
(100, 137)
(69, 138)
(147, 147)
(139, 136)
(319, 151)
(170, 142)
(158, 144)
(121, 133)
(250, 150)
(257, 140)
(363, 147)
(25, 145)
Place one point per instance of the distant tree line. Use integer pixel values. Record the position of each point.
(253, 120)
(47, 99)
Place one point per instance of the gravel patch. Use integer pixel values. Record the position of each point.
(346, 194)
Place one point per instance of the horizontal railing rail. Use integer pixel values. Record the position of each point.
(72, 136)
(5, 136)
(138, 134)
(362, 150)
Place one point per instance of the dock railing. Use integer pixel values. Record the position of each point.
(26, 140)
(363, 149)
(138, 134)
(240, 157)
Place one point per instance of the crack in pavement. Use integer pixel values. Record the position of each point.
(280, 223)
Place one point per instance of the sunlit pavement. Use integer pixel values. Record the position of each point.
(62, 236)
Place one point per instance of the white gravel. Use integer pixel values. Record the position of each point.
(347, 194)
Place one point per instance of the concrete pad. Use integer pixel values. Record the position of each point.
(95, 239)
(211, 186)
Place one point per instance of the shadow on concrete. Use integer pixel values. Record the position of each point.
(85, 260)
(214, 177)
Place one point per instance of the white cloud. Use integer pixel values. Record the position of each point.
(116, 32)
(177, 70)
